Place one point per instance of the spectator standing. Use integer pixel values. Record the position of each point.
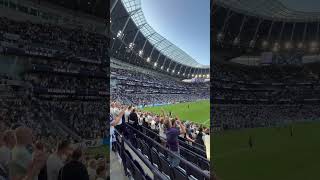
(74, 169)
(172, 133)
(57, 159)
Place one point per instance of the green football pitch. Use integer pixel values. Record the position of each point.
(198, 112)
(275, 155)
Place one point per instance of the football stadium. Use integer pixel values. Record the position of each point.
(159, 108)
(54, 95)
(265, 90)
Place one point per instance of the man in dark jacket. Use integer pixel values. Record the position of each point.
(133, 119)
(74, 169)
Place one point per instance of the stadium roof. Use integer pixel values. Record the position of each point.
(93, 7)
(133, 7)
(270, 9)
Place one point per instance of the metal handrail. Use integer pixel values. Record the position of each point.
(178, 140)
(154, 170)
(189, 165)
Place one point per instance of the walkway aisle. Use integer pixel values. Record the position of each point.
(116, 168)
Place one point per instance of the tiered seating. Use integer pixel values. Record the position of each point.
(191, 165)
(265, 96)
(191, 153)
(154, 89)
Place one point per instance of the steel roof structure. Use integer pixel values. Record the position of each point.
(251, 27)
(163, 45)
(270, 9)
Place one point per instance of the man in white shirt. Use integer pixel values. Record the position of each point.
(127, 113)
(149, 118)
(57, 160)
(152, 124)
(113, 122)
(22, 165)
(114, 109)
(206, 140)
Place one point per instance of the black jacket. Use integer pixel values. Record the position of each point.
(133, 117)
(73, 170)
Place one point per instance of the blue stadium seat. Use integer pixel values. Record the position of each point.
(179, 174)
(166, 168)
(155, 158)
(203, 164)
(146, 150)
(138, 171)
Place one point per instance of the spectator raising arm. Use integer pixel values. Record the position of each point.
(119, 117)
(182, 127)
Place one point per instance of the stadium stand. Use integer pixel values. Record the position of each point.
(147, 70)
(265, 85)
(261, 77)
(54, 89)
(154, 89)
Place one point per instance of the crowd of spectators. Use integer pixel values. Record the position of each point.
(138, 88)
(21, 157)
(52, 39)
(273, 84)
(45, 136)
(87, 119)
(58, 51)
(238, 116)
(167, 127)
(66, 83)
(260, 96)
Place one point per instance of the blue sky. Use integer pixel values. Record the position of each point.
(185, 23)
(303, 5)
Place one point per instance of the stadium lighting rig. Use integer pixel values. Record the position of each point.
(314, 44)
(155, 64)
(168, 70)
(140, 53)
(220, 37)
(300, 45)
(131, 45)
(265, 44)
(161, 67)
(288, 45)
(148, 59)
(252, 43)
(119, 34)
(276, 47)
(236, 41)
